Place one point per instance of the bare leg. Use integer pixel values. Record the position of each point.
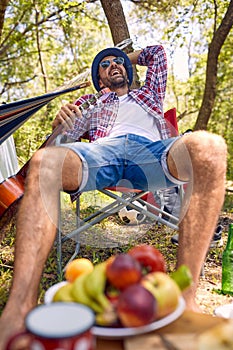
(50, 171)
(203, 199)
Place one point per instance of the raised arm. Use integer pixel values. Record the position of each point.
(133, 56)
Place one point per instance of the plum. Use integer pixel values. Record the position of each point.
(136, 306)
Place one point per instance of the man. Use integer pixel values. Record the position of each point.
(130, 142)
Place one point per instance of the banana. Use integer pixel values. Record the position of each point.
(64, 293)
(80, 295)
(95, 283)
(106, 318)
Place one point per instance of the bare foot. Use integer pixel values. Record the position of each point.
(193, 306)
(189, 297)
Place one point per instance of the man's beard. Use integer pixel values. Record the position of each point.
(118, 83)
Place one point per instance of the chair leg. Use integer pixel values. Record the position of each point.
(202, 274)
(59, 243)
(76, 251)
(77, 237)
(78, 224)
(59, 254)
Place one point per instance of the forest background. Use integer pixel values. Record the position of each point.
(44, 43)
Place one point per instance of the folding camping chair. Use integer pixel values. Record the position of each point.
(129, 199)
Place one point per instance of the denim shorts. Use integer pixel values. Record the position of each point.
(130, 161)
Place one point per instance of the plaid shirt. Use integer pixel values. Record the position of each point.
(98, 119)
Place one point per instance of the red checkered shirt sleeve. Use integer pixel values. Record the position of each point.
(154, 57)
(98, 119)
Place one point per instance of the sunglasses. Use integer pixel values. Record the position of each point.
(118, 60)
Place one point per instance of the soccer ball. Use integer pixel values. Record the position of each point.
(131, 216)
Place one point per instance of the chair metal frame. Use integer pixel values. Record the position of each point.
(157, 214)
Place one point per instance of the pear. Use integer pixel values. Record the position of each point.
(183, 277)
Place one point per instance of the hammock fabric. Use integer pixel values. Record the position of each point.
(13, 115)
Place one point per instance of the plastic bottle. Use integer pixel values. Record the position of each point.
(227, 264)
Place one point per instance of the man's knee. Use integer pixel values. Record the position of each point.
(41, 169)
(37, 158)
(43, 158)
(55, 164)
(206, 149)
(200, 151)
(203, 140)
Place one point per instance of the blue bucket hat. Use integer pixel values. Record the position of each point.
(112, 51)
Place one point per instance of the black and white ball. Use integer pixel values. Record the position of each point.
(131, 216)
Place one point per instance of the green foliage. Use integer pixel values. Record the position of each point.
(50, 42)
(193, 30)
(70, 33)
(63, 37)
(65, 44)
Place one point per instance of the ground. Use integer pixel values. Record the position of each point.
(208, 294)
(112, 237)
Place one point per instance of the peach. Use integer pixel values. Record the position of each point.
(123, 271)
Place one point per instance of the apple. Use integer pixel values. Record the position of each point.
(165, 291)
(136, 306)
(149, 257)
(123, 271)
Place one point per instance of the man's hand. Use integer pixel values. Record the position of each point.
(133, 56)
(66, 116)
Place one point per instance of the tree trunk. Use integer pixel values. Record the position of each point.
(119, 29)
(212, 69)
(116, 20)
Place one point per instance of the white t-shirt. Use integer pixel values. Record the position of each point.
(133, 119)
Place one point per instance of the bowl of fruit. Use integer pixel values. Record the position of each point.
(130, 293)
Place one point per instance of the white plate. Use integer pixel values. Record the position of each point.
(116, 332)
(48, 297)
(225, 311)
(113, 333)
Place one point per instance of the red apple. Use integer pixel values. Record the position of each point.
(149, 257)
(165, 291)
(123, 271)
(136, 306)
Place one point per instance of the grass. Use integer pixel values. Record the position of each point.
(158, 236)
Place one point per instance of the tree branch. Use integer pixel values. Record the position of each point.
(7, 86)
(30, 27)
(39, 52)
